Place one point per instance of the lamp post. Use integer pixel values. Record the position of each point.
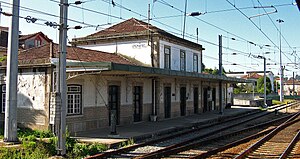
(184, 19)
(265, 80)
(281, 69)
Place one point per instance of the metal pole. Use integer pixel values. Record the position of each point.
(183, 32)
(293, 83)
(10, 128)
(197, 32)
(62, 72)
(220, 74)
(265, 83)
(281, 68)
(0, 11)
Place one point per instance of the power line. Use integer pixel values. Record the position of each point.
(275, 26)
(156, 21)
(257, 27)
(45, 13)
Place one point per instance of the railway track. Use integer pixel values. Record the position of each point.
(276, 143)
(192, 148)
(161, 146)
(280, 142)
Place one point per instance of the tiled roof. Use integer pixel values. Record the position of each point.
(131, 28)
(42, 55)
(251, 76)
(28, 36)
(290, 82)
(128, 26)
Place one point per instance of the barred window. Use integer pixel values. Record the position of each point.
(74, 95)
(182, 60)
(195, 63)
(3, 98)
(167, 61)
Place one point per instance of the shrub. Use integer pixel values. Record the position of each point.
(82, 150)
(96, 148)
(37, 133)
(32, 153)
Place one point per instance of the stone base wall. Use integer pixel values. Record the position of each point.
(33, 119)
(98, 117)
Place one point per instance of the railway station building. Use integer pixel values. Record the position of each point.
(134, 69)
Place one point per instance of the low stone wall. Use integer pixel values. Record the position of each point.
(246, 102)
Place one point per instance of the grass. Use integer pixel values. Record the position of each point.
(34, 147)
(285, 101)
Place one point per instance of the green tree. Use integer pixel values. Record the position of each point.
(243, 88)
(260, 85)
(214, 71)
(208, 70)
(202, 67)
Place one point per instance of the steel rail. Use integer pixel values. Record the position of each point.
(266, 138)
(228, 146)
(189, 144)
(132, 147)
(290, 146)
(241, 141)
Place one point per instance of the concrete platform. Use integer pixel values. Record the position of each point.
(146, 129)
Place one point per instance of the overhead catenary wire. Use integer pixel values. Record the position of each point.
(124, 7)
(174, 28)
(257, 27)
(276, 27)
(223, 29)
(164, 25)
(191, 36)
(165, 3)
(9, 5)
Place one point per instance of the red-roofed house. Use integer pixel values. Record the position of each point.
(290, 86)
(33, 40)
(253, 75)
(25, 41)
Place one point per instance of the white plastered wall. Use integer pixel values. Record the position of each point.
(140, 50)
(175, 56)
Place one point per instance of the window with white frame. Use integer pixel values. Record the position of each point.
(167, 59)
(182, 60)
(3, 94)
(195, 63)
(74, 94)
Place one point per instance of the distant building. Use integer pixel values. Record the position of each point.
(291, 86)
(25, 41)
(33, 40)
(253, 75)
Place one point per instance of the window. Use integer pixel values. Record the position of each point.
(3, 94)
(167, 57)
(195, 63)
(137, 101)
(74, 104)
(182, 60)
(37, 42)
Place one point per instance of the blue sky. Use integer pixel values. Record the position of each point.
(168, 15)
